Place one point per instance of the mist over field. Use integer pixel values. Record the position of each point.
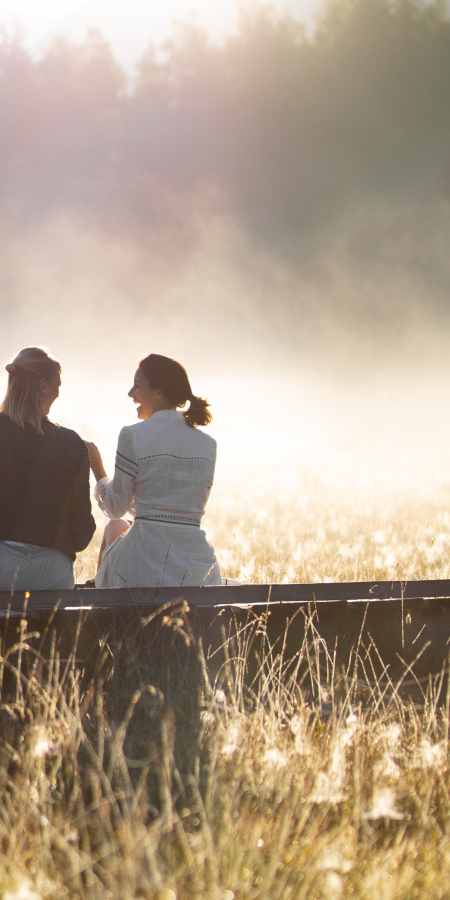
(273, 211)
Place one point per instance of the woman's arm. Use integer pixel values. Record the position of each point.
(96, 461)
(116, 497)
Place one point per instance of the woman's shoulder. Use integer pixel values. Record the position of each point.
(201, 437)
(191, 441)
(67, 435)
(127, 441)
(50, 431)
(166, 431)
(128, 433)
(9, 430)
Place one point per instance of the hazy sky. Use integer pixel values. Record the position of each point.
(130, 26)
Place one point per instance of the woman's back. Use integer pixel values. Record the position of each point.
(45, 507)
(163, 477)
(44, 487)
(173, 467)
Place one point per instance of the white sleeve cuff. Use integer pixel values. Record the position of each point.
(101, 483)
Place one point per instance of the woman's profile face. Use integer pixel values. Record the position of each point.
(147, 399)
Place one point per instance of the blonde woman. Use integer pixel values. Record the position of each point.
(45, 507)
(163, 477)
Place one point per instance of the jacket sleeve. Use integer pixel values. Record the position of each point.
(116, 497)
(81, 520)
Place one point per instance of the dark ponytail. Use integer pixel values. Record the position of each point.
(198, 412)
(171, 378)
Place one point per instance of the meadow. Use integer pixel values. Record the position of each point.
(134, 772)
(290, 526)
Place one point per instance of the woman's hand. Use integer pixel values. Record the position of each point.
(96, 461)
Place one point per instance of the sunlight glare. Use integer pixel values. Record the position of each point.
(132, 27)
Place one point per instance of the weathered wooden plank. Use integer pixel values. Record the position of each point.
(227, 595)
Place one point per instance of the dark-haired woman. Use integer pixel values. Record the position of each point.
(163, 476)
(45, 507)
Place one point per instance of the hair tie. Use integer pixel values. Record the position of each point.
(11, 368)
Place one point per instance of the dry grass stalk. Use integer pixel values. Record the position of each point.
(138, 777)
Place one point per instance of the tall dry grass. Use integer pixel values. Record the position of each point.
(292, 527)
(128, 772)
(133, 767)
(289, 526)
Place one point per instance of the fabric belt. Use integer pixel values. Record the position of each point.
(167, 521)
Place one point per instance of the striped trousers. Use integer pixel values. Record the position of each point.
(26, 567)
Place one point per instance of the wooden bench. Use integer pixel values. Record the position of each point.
(404, 620)
(413, 594)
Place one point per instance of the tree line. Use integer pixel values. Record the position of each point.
(296, 136)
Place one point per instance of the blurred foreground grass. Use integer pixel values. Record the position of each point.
(138, 777)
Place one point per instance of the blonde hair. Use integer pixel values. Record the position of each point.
(23, 399)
